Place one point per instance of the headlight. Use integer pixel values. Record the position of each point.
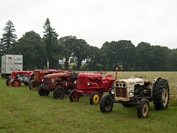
(75, 82)
(53, 81)
(112, 91)
(88, 83)
(131, 93)
(42, 80)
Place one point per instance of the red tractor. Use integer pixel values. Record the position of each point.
(58, 83)
(92, 84)
(17, 77)
(38, 77)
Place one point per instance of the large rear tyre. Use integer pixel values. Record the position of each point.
(143, 108)
(94, 98)
(33, 85)
(59, 93)
(74, 96)
(16, 83)
(8, 83)
(161, 94)
(43, 91)
(106, 104)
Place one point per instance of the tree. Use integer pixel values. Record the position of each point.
(78, 48)
(32, 47)
(8, 38)
(51, 41)
(144, 56)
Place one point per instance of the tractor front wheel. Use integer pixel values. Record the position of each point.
(42, 91)
(106, 104)
(143, 108)
(59, 93)
(94, 98)
(8, 83)
(73, 96)
(33, 85)
(16, 83)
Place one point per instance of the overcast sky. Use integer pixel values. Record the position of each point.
(96, 21)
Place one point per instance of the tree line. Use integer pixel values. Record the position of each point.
(37, 50)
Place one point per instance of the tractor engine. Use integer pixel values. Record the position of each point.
(23, 78)
(141, 91)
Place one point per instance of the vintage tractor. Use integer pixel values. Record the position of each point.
(137, 91)
(17, 77)
(58, 83)
(38, 77)
(92, 84)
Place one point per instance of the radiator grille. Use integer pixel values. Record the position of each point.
(81, 81)
(46, 81)
(36, 75)
(121, 92)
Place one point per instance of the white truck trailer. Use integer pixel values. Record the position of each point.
(10, 62)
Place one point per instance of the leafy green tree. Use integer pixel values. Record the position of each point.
(144, 56)
(121, 54)
(96, 60)
(173, 60)
(78, 48)
(32, 47)
(8, 37)
(51, 41)
(160, 61)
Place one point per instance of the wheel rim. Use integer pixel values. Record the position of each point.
(108, 105)
(33, 86)
(96, 99)
(16, 83)
(164, 96)
(145, 109)
(59, 93)
(75, 96)
(8, 83)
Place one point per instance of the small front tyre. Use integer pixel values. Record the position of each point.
(143, 108)
(33, 85)
(42, 91)
(73, 96)
(8, 83)
(59, 93)
(106, 104)
(94, 98)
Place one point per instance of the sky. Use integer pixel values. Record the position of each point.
(96, 21)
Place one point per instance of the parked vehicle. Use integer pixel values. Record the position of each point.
(92, 84)
(17, 77)
(10, 62)
(38, 77)
(137, 91)
(58, 83)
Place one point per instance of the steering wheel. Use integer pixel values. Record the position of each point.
(140, 76)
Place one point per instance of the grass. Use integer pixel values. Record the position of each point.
(24, 111)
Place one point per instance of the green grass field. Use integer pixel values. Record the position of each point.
(24, 111)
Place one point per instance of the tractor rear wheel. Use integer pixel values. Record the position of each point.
(16, 83)
(106, 104)
(74, 96)
(8, 83)
(161, 94)
(43, 91)
(33, 85)
(59, 93)
(94, 98)
(143, 108)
